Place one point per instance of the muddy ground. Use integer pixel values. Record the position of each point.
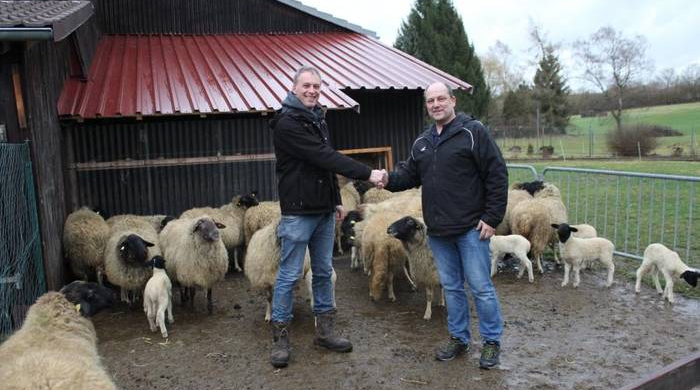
(555, 338)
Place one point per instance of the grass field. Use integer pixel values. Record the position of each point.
(586, 136)
(630, 211)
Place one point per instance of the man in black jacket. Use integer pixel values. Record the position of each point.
(309, 199)
(465, 190)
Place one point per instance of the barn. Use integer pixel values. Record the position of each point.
(155, 107)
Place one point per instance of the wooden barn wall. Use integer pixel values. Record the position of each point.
(45, 67)
(388, 118)
(204, 17)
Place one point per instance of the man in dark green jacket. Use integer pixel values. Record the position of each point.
(309, 199)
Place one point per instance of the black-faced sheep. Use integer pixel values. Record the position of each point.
(658, 258)
(158, 297)
(231, 215)
(195, 255)
(347, 237)
(412, 234)
(577, 253)
(85, 234)
(56, 348)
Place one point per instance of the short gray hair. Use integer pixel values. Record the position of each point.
(306, 69)
(449, 89)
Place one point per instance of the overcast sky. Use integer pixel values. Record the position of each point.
(672, 27)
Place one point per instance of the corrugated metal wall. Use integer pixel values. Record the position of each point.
(204, 17)
(389, 118)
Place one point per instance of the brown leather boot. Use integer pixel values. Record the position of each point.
(325, 334)
(279, 356)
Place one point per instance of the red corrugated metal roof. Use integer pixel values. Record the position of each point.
(139, 75)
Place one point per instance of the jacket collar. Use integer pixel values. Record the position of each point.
(451, 128)
(292, 105)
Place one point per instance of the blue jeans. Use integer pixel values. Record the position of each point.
(296, 232)
(463, 258)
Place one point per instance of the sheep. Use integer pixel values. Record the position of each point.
(530, 219)
(196, 255)
(350, 199)
(262, 262)
(347, 237)
(516, 245)
(132, 241)
(584, 231)
(158, 297)
(412, 234)
(231, 215)
(383, 254)
(56, 348)
(658, 258)
(376, 195)
(550, 196)
(85, 234)
(515, 196)
(260, 216)
(577, 252)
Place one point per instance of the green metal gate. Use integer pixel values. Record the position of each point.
(22, 278)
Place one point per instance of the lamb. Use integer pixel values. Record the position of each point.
(347, 237)
(56, 348)
(412, 233)
(515, 244)
(231, 215)
(132, 241)
(196, 255)
(350, 199)
(584, 231)
(158, 297)
(260, 216)
(658, 258)
(262, 262)
(577, 252)
(85, 234)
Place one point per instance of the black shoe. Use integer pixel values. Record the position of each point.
(451, 349)
(279, 356)
(490, 353)
(326, 336)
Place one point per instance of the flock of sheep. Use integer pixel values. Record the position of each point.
(146, 255)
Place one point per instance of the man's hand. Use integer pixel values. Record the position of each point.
(376, 178)
(340, 213)
(385, 178)
(486, 230)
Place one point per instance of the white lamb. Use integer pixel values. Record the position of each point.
(158, 297)
(516, 245)
(56, 348)
(578, 252)
(658, 258)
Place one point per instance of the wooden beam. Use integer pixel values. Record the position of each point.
(384, 151)
(168, 162)
(683, 374)
(19, 98)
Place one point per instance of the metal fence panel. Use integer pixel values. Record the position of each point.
(22, 278)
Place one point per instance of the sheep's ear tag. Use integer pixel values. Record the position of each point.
(121, 248)
(77, 308)
(352, 223)
(238, 204)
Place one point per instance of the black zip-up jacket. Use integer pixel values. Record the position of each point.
(464, 177)
(306, 161)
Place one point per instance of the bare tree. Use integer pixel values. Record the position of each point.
(666, 78)
(501, 72)
(612, 63)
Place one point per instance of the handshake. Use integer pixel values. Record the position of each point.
(379, 178)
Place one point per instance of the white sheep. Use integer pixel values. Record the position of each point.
(85, 234)
(530, 219)
(132, 242)
(259, 216)
(158, 297)
(516, 245)
(550, 196)
(262, 260)
(515, 196)
(658, 258)
(578, 252)
(412, 234)
(56, 348)
(584, 231)
(195, 255)
(231, 215)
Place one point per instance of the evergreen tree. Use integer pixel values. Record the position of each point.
(434, 33)
(551, 92)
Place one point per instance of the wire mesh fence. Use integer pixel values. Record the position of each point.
(22, 278)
